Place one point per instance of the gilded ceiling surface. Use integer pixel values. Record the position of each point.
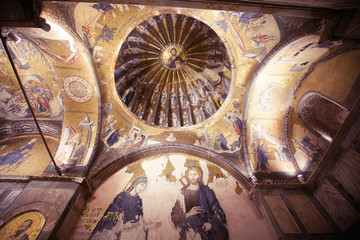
(112, 82)
(172, 71)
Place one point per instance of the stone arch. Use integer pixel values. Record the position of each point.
(117, 163)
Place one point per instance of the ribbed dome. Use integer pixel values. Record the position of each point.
(173, 71)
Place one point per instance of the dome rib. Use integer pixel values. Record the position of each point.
(167, 71)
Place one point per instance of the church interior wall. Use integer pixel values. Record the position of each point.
(46, 203)
(248, 121)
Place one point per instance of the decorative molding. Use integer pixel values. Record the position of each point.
(115, 161)
(24, 127)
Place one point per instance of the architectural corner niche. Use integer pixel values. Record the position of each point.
(321, 115)
(173, 71)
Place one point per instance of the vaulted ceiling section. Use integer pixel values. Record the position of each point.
(260, 88)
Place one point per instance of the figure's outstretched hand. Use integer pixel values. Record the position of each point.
(206, 227)
(193, 211)
(153, 225)
(130, 225)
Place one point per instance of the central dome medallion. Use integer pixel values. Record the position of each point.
(173, 70)
(172, 56)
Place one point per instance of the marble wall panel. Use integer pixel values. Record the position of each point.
(8, 200)
(347, 172)
(52, 192)
(49, 198)
(308, 214)
(56, 193)
(338, 208)
(68, 225)
(282, 214)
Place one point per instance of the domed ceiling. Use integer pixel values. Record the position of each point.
(172, 71)
(112, 83)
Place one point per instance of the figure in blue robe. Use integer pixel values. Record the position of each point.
(306, 142)
(208, 210)
(124, 216)
(114, 137)
(103, 7)
(171, 63)
(262, 158)
(247, 17)
(237, 124)
(16, 155)
(222, 142)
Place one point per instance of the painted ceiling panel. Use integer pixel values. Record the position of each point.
(25, 155)
(75, 72)
(61, 84)
(305, 142)
(271, 95)
(13, 103)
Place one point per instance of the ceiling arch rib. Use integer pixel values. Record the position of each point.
(99, 173)
(75, 78)
(322, 125)
(270, 97)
